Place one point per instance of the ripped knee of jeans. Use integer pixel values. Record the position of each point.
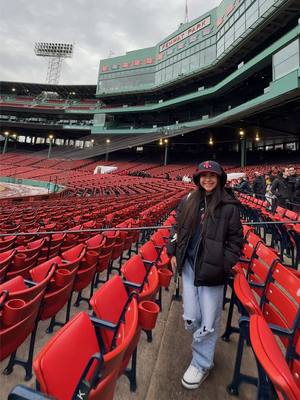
(202, 331)
(190, 324)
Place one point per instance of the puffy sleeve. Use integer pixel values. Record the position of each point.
(234, 240)
(172, 242)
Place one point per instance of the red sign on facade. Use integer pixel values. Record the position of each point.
(136, 62)
(149, 60)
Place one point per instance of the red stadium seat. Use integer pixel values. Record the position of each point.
(20, 313)
(269, 355)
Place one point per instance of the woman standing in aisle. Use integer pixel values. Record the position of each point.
(206, 246)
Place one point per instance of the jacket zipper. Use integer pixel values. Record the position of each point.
(199, 241)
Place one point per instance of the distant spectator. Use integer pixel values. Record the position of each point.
(273, 173)
(259, 185)
(296, 198)
(244, 185)
(280, 189)
(186, 179)
(167, 176)
(293, 181)
(269, 195)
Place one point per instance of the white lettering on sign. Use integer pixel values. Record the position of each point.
(185, 34)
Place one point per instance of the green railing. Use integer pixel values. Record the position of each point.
(51, 187)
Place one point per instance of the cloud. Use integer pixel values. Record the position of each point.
(96, 27)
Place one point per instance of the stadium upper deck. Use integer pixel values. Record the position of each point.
(235, 67)
(239, 59)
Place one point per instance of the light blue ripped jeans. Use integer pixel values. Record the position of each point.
(202, 308)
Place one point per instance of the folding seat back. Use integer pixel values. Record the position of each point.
(118, 246)
(135, 271)
(126, 235)
(148, 252)
(110, 237)
(17, 321)
(10, 228)
(248, 252)
(171, 220)
(245, 295)
(108, 304)
(59, 291)
(40, 278)
(292, 215)
(165, 233)
(253, 239)
(106, 307)
(5, 260)
(95, 242)
(136, 232)
(74, 352)
(280, 212)
(261, 264)
(285, 380)
(6, 242)
(281, 301)
(72, 257)
(31, 248)
(157, 240)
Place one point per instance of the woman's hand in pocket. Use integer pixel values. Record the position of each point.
(173, 263)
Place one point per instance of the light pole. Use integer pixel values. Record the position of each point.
(6, 134)
(166, 152)
(243, 148)
(50, 145)
(14, 136)
(107, 149)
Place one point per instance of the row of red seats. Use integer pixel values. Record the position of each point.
(285, 234)
(264, 287)
(108, 304)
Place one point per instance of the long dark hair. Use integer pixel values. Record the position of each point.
(191, 207)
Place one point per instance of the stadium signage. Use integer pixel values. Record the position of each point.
(185, 34)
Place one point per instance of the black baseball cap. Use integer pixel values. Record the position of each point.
(210, 166)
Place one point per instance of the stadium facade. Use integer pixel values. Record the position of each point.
(236, 65)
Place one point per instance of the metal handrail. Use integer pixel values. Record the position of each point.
(139, 228)
(97, 230)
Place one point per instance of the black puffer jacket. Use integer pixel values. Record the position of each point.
(259, 186)
(221, 242)
(296, 197)
(280, 187)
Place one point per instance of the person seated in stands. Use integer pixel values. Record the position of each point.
(259, 185)
(244, 185)
(167, 176)
(206, 246)
(280, 189)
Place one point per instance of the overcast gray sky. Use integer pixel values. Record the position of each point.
(96, 27)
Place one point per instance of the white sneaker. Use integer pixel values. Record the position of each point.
(193, 377)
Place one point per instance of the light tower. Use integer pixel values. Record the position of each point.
(186, 12)
(56, 53)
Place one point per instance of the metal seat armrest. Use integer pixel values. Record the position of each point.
(21, 392)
